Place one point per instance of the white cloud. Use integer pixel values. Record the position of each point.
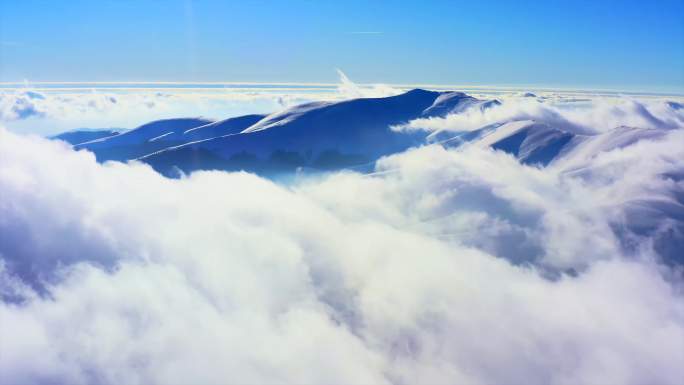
(350, 90)
(50, 111)
(445, 267)
(595, 114)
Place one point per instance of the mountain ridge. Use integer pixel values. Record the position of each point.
(353, 133)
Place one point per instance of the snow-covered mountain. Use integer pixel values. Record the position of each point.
(317, 136)
(141, 140)
(529, 141)
(346, 134)
(320, 135)
(162, 134)
(79, 136)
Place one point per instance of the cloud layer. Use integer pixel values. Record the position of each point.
(52, 112)
(588, 115)
(49, 110)
(446, 266)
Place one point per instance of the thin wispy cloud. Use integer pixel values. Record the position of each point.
(366, 33)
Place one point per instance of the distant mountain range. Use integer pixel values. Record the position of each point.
(313, 136)
(322, 136)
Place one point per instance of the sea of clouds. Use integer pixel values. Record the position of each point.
(49, 109)
(48, 112)
(444, 266)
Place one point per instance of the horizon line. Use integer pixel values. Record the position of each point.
(634, 90)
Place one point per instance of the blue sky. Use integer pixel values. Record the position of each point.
(598, 44)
